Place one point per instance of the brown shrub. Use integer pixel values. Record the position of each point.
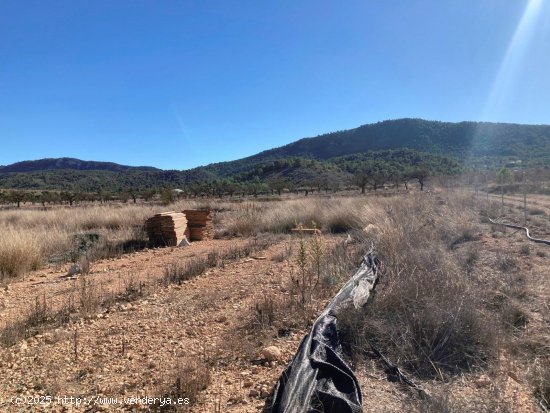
(19, 252)
(540, 379)
(190, 377)
(428, 313)
(39, 317)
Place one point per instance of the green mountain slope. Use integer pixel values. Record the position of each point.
(473, 142)
(382, 149)
(94, 181)
(70, 163)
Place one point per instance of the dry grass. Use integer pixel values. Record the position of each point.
(19, 252)
(336, 215)
(176, 273)
(84, 301)
(88, 297)
(438, 403)
(320, 269)
(536, 211)
(428, 313)
(40, 317)
(433, 313)
(266, 313)
(189, 378)
(540, 378)
(32, 237)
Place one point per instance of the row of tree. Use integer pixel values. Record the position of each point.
(364, 178)
(19, 197)
(368, 176)
(374, 170)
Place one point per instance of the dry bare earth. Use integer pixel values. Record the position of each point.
(134, 348)
(106, 277)
(205, 327)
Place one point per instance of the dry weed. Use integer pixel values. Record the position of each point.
(19, 252)
(540, 378)
(31, 237)
(335, 214)
(39, 317)
(428, 313)
(190, 377)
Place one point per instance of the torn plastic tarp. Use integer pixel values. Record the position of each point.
(318, 379)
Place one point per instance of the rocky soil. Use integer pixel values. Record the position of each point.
(174, 335)
(139, 348)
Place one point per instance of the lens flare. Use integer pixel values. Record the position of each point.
(516, 53)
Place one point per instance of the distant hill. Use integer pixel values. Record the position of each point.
(48, 164)
(472, 142)
(393, 146)
(292, 171)
(100, 180)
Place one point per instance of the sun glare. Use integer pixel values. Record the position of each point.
(516, 53)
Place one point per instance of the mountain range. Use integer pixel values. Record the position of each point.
(413, 142)
(48, 164)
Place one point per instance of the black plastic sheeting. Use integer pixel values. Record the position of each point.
(318, 379)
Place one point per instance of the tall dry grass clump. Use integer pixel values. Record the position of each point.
(30, 238)
(20, 251)
(539, 376)
(188, 379)
(428, 313)
(336, 214)
(76, 219)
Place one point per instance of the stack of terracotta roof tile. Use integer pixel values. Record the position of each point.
(167, 229)
(200, 224)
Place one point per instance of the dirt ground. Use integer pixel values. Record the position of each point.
(109, 275)
(133, 349)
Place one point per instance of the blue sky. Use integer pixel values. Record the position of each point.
(177, 84)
